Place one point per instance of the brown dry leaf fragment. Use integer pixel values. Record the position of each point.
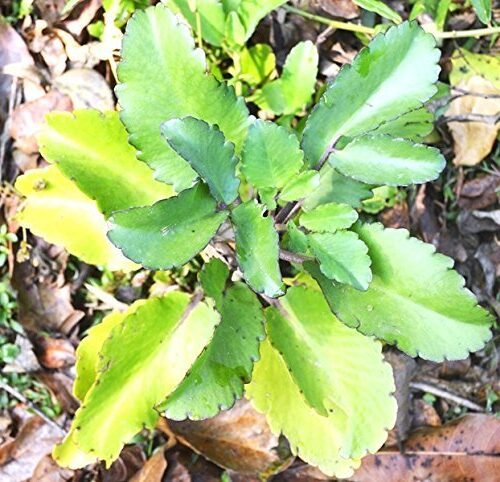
(403, 368)
(61, 385)
(47, 470)
(480, 192)
(130, 461)
(300, 472)
(81, 15)
(34, 440)
(474, 140)
(50, 10)
(425, 415)
(465, 449)
(336, 8)
(13, 50)
(44, 298)
(472, 222)
(26, 361)
(238, 439)
(396, 217)
(87, 89)
(184, 466)
(153, 469)
(28, 118)
(54, 352)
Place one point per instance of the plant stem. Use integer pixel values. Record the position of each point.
(354, 27)
(293, 257)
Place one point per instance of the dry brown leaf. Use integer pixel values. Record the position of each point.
(61, 385)
(465, 449)
(480, 192)
(130, 461)
(474, 140)
(44, 297)
(87, 89)
(335, 8)
(153, 469)
(238, 439)
(47, 470)
(34, 440)
(54, 352)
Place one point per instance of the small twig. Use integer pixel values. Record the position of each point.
(19, 396)
(465, 92)
(106, 298)
(353, 27)
(439, 392)
(293, 257)
(471, 117)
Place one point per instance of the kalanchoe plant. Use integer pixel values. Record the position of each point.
(307, 351)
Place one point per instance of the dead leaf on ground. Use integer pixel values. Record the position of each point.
(54, 352)
(47, 470)
(61, 385)
(26, 360)
(13, 50)
(35, 439)
(474, 140)
(44, 297)
(425, 415)
(403, 368)
(238, 439)
(472, 222)
(300, 472)
(336, 8)
(465, 449)
(86, 88)
(184, 466)
(131, 460)
(28, 118)
(480, 192)
(153, 469)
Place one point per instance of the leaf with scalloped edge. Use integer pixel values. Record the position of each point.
(87, 353)
(213, 278)
(343, 257)
(212, 18)
(336, 188)
(415, 301)
(142, 361)
(170, 232)
(293, 90)
(341, 374)
(395, 74)
(56, 210)
(328, 218)
(91, 148)
(301, 186)
(246, 14)
(271, 155)
(381, 159)
(205, 149)
(413, 125)
(216, 379)
(162, 76)
(257, 248)
(380, 8)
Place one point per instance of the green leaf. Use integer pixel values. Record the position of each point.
(414, 125)
(143, 360)
(290, 93)
(343, 257)
(56, 210)
(300, 186)
(173, 74)
(170, 232)
(213, 279)
(87, 353)
(91, 149)
(379, 8)
(319, 364)
(271, 156)
(395, 74)
(336, 188)
(483, 10)
(256, 63)
(216, 379)
(212, 18)
(257, 248)
(251, 12)
(295, 240)
(415, 301)
(208, 153)
(381, 159)
(329, 218)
